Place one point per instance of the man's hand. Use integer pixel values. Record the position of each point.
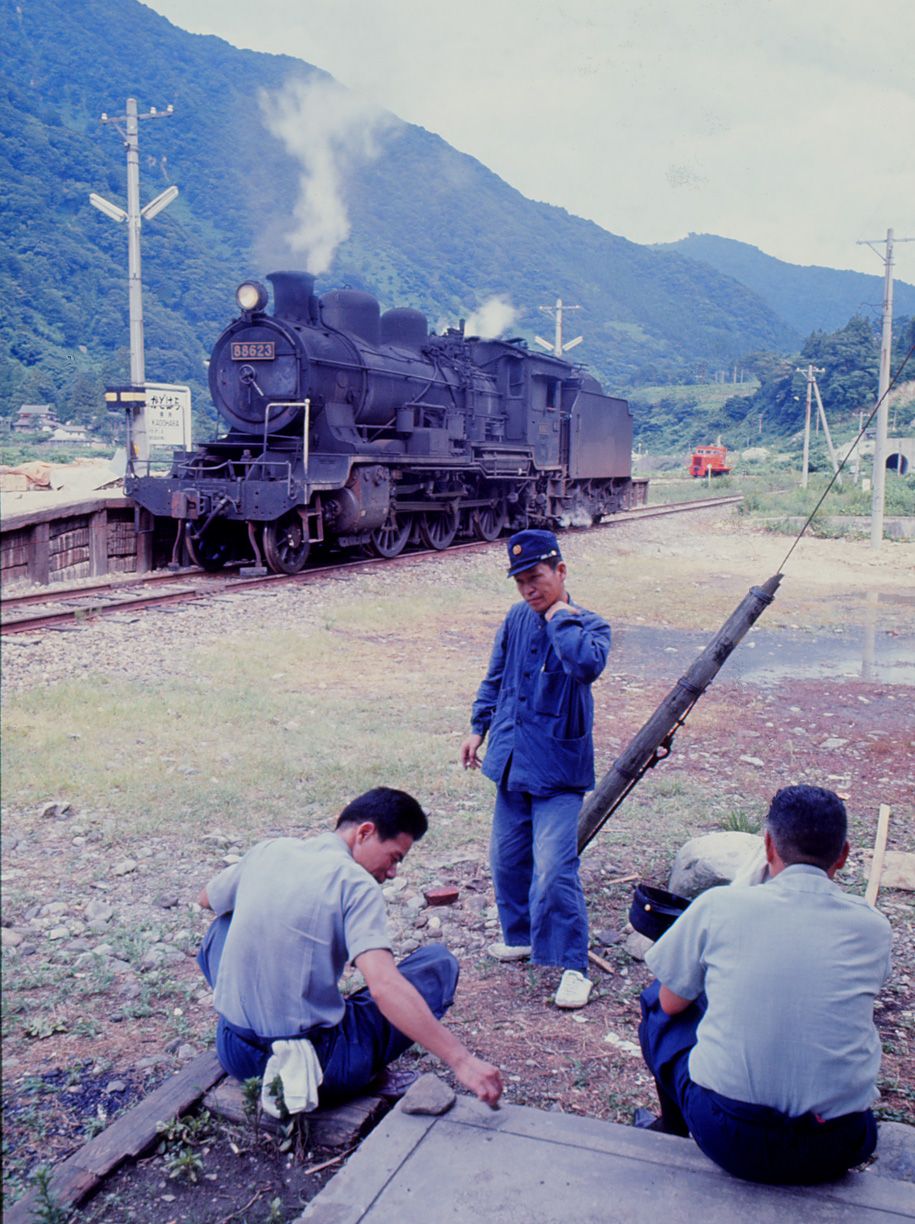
(481, 1078)
(469, 758)
(561, 605)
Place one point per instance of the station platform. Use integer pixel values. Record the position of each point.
(518, 1165)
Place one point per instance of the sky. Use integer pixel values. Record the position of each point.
(782, 123)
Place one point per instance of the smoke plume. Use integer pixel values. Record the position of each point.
(492, 319)
(330, 131)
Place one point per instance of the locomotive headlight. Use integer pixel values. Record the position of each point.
(251, 295)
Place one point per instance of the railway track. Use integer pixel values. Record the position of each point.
(65, 606)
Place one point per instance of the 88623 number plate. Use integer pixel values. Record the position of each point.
(253, 350)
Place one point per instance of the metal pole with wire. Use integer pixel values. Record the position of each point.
(886, 347)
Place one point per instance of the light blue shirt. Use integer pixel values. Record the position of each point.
(300, 911)
(790, 969)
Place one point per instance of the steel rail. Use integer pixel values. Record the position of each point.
(194, 584)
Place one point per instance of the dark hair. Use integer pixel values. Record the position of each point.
(391, 812)
(808, 824)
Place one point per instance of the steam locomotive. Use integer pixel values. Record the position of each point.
(353, 427)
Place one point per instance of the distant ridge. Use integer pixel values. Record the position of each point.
(807, 299)
(430, 227)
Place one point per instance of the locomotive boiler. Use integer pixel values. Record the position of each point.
(353, 427)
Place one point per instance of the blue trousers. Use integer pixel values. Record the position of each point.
(534, 859)
(360, 1046)
(749, 1141)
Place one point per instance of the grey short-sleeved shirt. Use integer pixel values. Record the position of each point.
(300, 911)
(790, 969)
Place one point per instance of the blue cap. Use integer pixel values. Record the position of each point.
(529, 548)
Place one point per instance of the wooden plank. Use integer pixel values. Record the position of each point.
(39, 562)
(147, 525)
(63, 510)
(340, 1126)
(75, 1178)
(98, 543)
(883, 828)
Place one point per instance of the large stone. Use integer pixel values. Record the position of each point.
(637, 945)
(713, 859)
(895, 1151)
(429, 1095)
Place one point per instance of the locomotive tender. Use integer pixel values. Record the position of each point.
(360, 428)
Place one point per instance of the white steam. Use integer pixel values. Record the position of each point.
(492, 319)
(329, 130)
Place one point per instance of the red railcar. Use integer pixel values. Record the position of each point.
(709, 459)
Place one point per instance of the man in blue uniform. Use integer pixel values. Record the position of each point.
(760, 1028)
(535, 704)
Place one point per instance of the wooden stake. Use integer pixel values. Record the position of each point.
(883, 828)
(600, 962)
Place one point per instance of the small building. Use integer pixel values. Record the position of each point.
(36, 418)
(69, 433)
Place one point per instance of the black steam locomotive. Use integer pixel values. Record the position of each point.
(360, 428)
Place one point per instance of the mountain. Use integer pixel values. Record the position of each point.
(428, 226)
(807, 299)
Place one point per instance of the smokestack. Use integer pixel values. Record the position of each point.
(294, 296)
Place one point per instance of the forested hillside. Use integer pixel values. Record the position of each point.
(847, 361)
(430, 227)
(807, 298)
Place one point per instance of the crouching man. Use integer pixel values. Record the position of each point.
(290, 915)
(759, 1030)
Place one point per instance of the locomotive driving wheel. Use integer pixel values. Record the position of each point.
(286, 544)
(212, 550)
(489, 521)
(438, 528)
(390, 539)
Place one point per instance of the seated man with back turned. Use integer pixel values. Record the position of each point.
(290, 915)
(760, 1028)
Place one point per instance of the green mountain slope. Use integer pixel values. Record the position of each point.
(806, 298)
(430, 227)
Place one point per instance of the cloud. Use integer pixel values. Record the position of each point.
(492, 319)
(330, 131)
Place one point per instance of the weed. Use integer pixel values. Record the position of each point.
(184, 1164)
(295, 1127)
(43, 1026)
(740, 822)
(277, 1214)
(47, 1209)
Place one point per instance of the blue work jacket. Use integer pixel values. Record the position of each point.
(535, 703)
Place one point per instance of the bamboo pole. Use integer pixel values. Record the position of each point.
(652, 743)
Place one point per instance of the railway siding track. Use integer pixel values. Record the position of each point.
(62, 607)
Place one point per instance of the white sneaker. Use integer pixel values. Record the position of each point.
(574, 989)
(509, 952)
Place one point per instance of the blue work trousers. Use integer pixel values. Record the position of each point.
(534, 860)
(749, 1141)
(360, 1046)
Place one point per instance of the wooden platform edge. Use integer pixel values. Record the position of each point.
(332, 1127)
(75, 1178)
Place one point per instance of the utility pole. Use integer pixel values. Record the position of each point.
(809, 373)
(557, 348)
(886, 346)
(822, 417)
(129, 127)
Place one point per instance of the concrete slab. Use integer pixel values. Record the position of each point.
(521, 1166)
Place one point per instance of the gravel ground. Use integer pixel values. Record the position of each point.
(91, 1005)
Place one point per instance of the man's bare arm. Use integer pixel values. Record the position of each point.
(672, 1004)
(402, 1004)
(203, 900)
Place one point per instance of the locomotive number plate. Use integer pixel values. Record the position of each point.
(253, 350)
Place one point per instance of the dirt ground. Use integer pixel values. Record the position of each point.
(840, 716)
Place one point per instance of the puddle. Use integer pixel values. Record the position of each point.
(766, 657)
